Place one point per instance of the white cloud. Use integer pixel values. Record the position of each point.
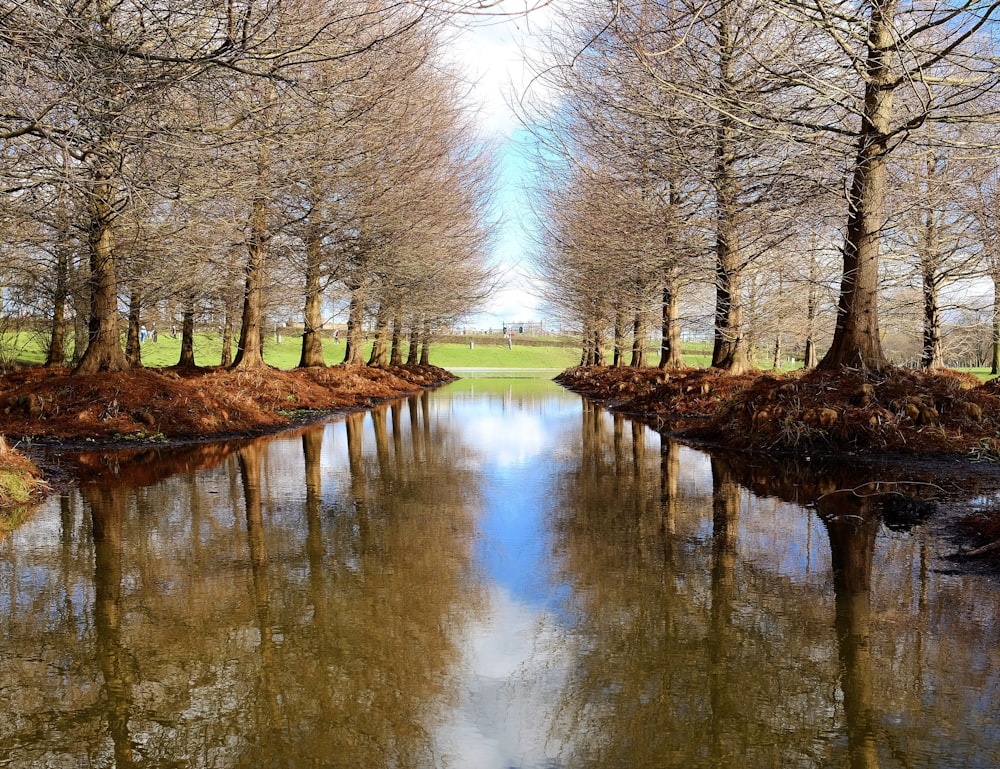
(514, 660)
(491, 51)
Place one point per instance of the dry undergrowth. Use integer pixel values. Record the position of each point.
(899, 411)
(148, 406)
(187, 403)
(932, 415)
(20, 481)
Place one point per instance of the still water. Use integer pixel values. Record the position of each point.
(494, 575)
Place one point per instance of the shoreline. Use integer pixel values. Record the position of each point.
(871, 418)
(48, 412)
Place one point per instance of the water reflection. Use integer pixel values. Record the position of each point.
(215, 619)
(493, 575)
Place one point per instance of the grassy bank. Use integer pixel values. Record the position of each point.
(452, 352)
(484, 352)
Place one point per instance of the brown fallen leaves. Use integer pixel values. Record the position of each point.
(174, 404)
(896, 411)
(937, 415)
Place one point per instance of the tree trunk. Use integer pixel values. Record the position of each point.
(618, 353)
(671, 356)
(809, 357)
(412, 354)
(104, 347)
(133, 343)
(226, 358)
(598, 347)
(396, 352)
(56, 354)
(995, 358)
(933, 354)
(587, 345)
(856, 338)
(250, 348)
(779, 322)
(638, 340)
(187, 334)
(425, 345)
(379, 353)
(729, 352)
(81, 321)
(312, 342)
(354, 336)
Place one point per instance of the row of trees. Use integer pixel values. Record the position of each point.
(236, 159)
(782, 154)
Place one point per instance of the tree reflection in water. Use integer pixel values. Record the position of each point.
(700, 645)
(302, 601)
(118, 668)
(244, 615)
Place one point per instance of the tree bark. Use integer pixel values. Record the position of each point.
(250, 349)
(81, 316)
(379, 353)
(312, 342)
(856, 338)
(187, 334)
(671, 356)
(354, 337)
(598, 347)
(618, 353)
(425, 345)
(133, 342)
(809, 357)
(995, 358)
(104, 347)
(729, 352)
(587, 346)
(933, 353)
(412, 354)
(56, 353)
(396, 351)
(638, 340)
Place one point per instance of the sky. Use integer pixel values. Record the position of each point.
(490, 52)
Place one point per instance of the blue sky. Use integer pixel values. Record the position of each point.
(490, 53)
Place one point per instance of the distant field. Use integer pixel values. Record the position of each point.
(487, 352)
(29, 349)
(454, 352)
(484, 352)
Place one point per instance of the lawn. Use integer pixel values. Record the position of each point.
(487, 352)
(28, 349)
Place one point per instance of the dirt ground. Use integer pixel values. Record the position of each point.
(51, 408)
(174, 403)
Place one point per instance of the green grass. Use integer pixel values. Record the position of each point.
(27, 348)
(982, 373)
(488, 355)
(489, 352)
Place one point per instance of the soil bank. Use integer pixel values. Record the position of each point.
(49, 407)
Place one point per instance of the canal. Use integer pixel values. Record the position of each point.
(494, 575)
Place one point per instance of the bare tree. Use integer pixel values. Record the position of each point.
(866, 58)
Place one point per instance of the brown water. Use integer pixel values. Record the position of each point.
(495, 575)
